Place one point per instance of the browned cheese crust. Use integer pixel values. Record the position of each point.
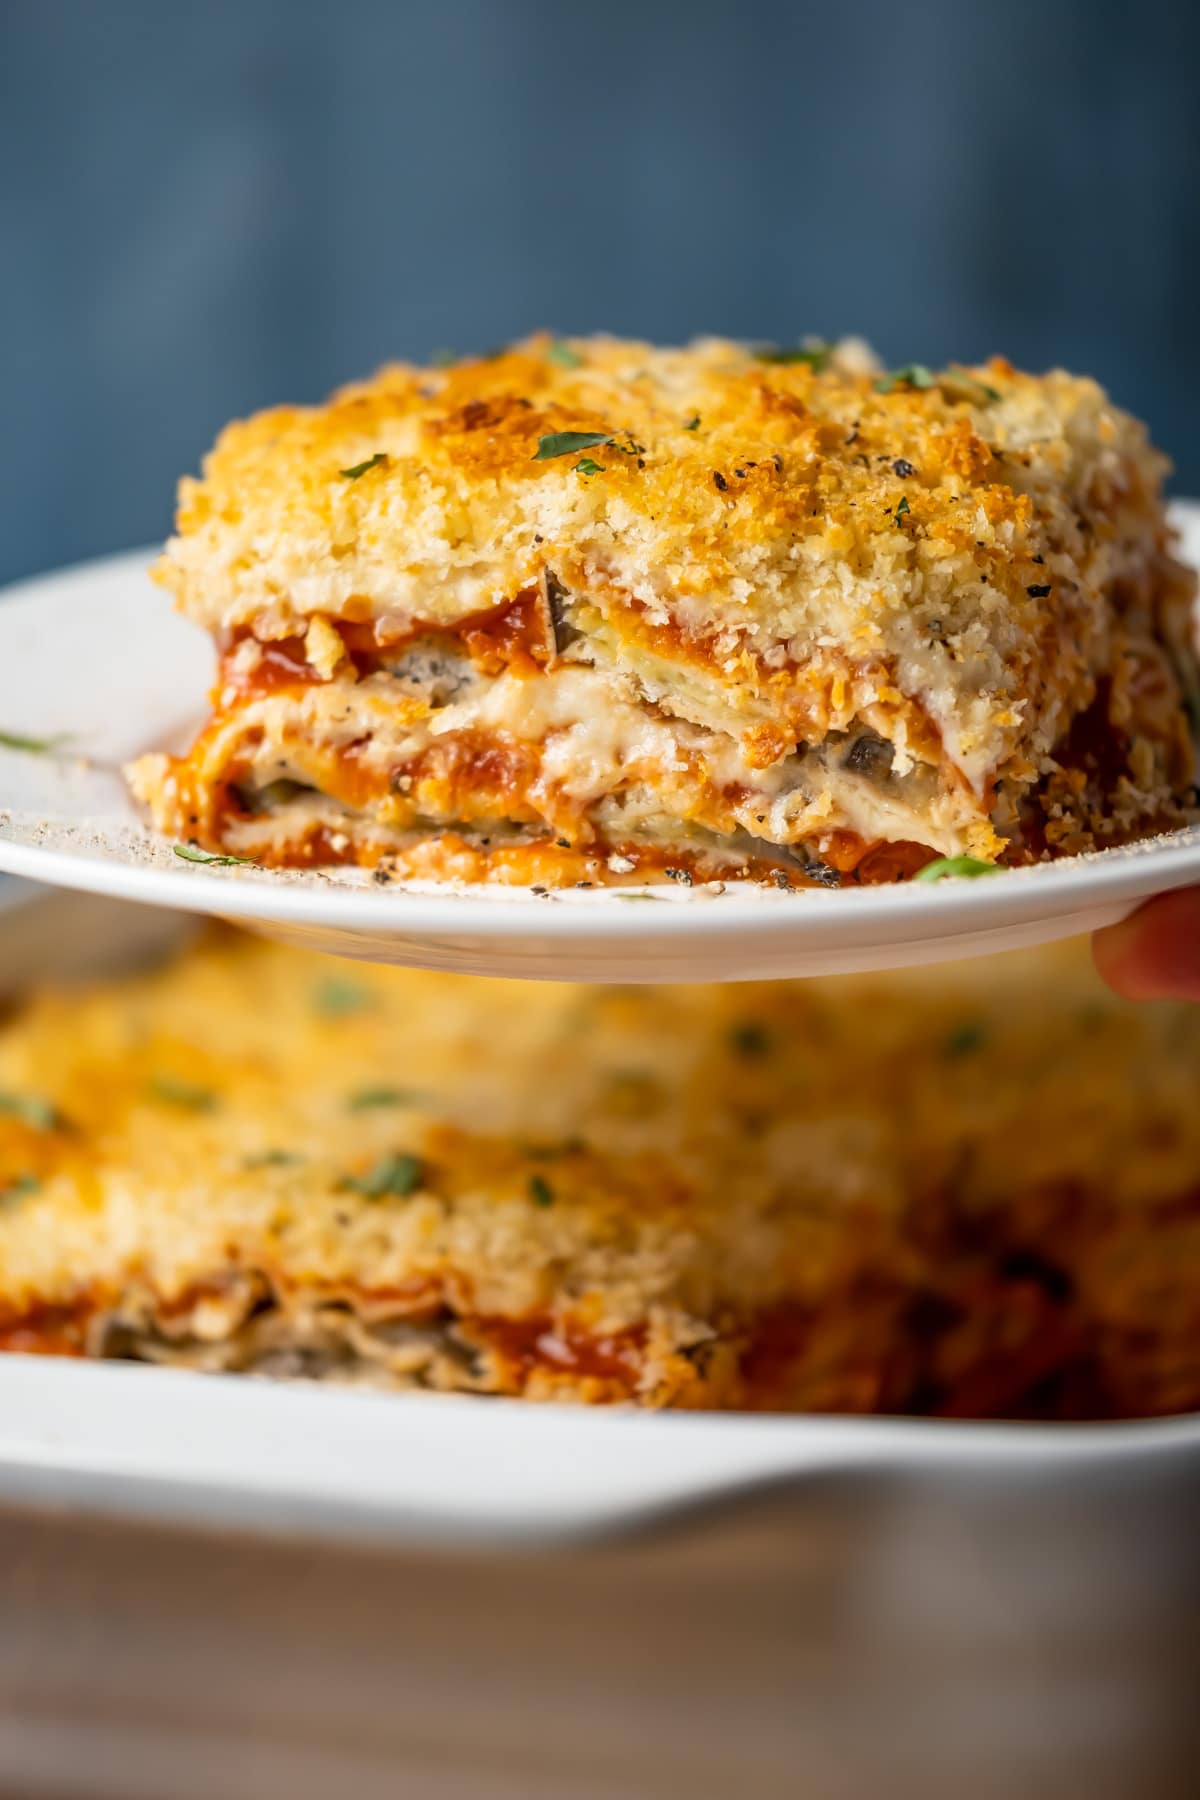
(753, 615)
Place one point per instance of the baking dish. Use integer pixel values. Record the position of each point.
(220, 1584)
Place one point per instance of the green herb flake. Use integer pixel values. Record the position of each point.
(958, 372)
(272, 1159)
(444, 359)
(585, 466)
(372, 462)
(567, 443)
(693, 424)
(562, 354)
(965, 866)
(636, 1092)
(638, 896)
(568, 1146)
(750, 1039)
(369, 1098)
(903, 507)
(397, 1173)
(337, 997)
(33, 746)
(627, 1078)
(19, 1187)
(32, 1110)
(540, 1191)
(214, 860)
(181, 1093)
(816, 353)
(1191, 701)
(914, 375)
(965, 1040)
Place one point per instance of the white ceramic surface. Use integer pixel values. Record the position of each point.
(96, 652)
(173, 1445)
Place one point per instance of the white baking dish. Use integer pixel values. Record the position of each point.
(217, 1584)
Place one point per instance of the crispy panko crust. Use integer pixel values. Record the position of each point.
(973, 1190)
(864, 609)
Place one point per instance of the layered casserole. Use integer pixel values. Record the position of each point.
(967, 1192)
(594, 612)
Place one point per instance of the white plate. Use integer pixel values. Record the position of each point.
(98, 653)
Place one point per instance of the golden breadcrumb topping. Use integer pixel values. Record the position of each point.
(968, 1189)
(955, 587)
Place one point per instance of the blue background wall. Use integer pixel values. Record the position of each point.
(208, 206)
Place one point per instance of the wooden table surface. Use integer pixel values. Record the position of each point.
(818, 1644)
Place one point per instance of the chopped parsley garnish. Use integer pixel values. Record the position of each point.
(398, 1173)
(19, 1186)
(586, 466)
(540, 1191)
(213, 859)
(372, 462)
(964, 1040)
(32, 1110)
(271, 1159)
(368, 1098)
(956, 865)
(693, 424)
(902, 506)
(958, 373)
(914, 375)
(635, 1093)
(750, 1039)
(567, 443)
(35, 746)
(181, 1093)
(568, 1146)
(816, 354)
(443, 359)
(563, 355)
(336, 997)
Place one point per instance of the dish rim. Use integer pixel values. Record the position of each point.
(286, 1458)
